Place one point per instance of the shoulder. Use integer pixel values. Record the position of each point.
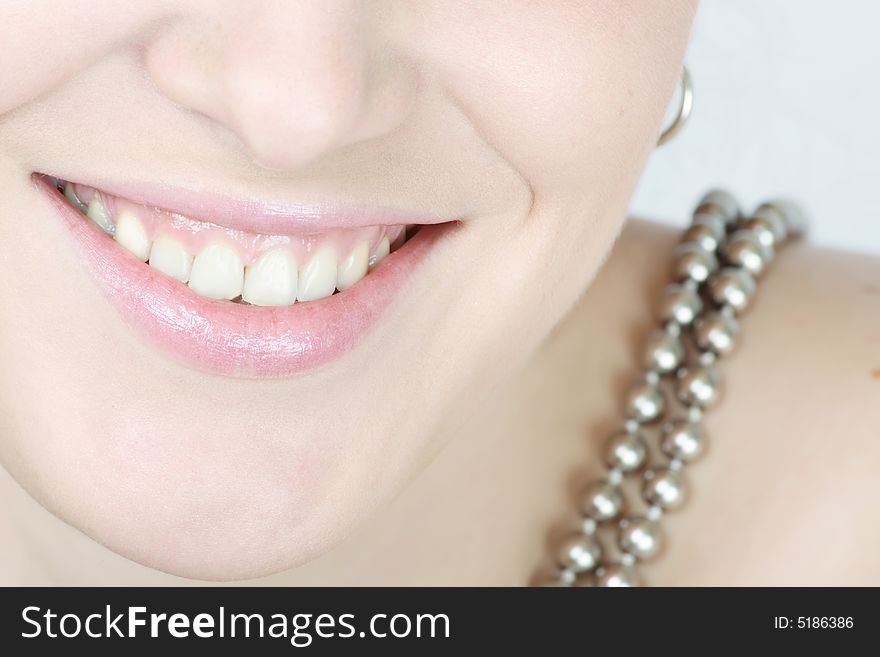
(788, 491)
(814, 323)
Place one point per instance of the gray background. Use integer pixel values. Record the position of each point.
(787, 103)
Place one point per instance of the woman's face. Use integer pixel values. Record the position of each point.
(215, 439)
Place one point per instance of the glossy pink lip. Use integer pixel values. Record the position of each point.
(232, 339)
(259, 215)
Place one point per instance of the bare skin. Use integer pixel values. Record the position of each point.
(528, 123)
(785, 495)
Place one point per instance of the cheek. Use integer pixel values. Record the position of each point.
(571, 93)
(47, 42)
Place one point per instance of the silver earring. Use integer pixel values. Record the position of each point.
(684, 108)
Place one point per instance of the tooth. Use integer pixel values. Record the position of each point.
(382, 250)
(130, 234)
(71, 196)
(217, 272)
(98, 213)
(354, 267)
(271, 280)
(318, 279)
(169, 257)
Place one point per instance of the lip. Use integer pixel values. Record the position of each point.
(233, 339)
(273, 217)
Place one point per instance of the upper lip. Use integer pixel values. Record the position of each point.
(260, 215)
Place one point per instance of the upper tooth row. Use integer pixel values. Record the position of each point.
(217, 272)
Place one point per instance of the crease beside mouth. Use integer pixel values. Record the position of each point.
(224, 263)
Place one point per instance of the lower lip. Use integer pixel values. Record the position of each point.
(232, 339)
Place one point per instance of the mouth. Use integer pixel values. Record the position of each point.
(220, 296)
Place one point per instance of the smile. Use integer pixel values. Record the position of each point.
(229, 299)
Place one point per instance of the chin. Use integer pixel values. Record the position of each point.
(216, 516)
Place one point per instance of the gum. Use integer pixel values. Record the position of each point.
(195, 234)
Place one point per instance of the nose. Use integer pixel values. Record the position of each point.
(294, 80)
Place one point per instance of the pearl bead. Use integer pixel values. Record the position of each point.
(717, 332)
(721, 202)
(579, 553)
(680, 304)
(601, 501)
(793, 216)
(693, 261)
(664, 488)
(625, 451)
(733, 287)
(663, 352)
(682, 439)
(654, 513)
(705, 232)
(713, 220)
(645, 402)
(775, 221)
(744, 249)
(617, 575)
(639, 537)
(698, 385)
(763, 228)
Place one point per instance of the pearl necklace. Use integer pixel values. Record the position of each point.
(720, 256)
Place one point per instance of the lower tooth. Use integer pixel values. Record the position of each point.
(131, 235)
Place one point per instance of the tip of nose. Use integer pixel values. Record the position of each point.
(292, 128)
(289, 97)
